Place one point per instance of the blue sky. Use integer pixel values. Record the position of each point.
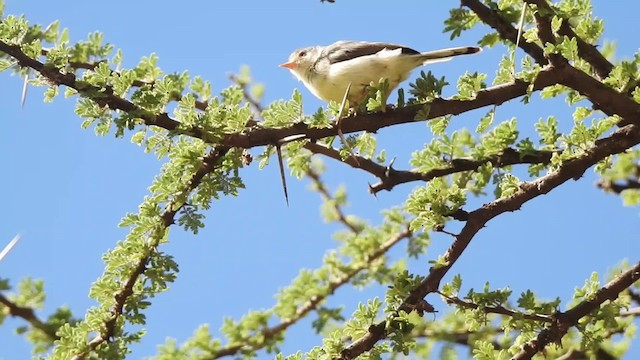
(65, 189)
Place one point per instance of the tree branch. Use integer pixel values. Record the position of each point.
(604, 98)
(501, 310)
(390, 177)
(312, 304)
(29, 316)
(565, 320)
(589, 52)
(618, 142)
(504, 29)
(209, 164)
(254, 137)
(322, 189)
(617, 187)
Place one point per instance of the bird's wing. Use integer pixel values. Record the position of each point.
(349, 50)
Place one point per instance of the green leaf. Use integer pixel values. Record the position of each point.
(486, 121)
(439, 124)
(427, 87)
(283, 113)
(548, 130)
(469, 85)
(138, 137)
(50, 93)
(5, 64)
(459, 20)
(556, 22)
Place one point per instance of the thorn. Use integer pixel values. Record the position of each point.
(520, 26)
(24, 89)
(282, 177)
(387, 171)
(291, 138)
(339, 125)
(9, 246)
(372, 191)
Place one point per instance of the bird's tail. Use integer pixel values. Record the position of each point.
(446, 54)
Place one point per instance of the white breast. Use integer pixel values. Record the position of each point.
(360, 72)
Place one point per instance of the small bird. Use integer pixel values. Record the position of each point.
(328, 71)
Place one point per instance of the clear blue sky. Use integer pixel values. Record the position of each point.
(65, 189)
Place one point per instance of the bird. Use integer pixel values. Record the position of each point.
(328, 71)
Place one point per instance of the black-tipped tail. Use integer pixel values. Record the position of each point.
(446, 54)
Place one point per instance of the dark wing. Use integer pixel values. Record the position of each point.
(347, 50)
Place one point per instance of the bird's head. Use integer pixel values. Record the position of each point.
(302, 60)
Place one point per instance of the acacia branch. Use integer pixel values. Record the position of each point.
(501, 310)
(27, 314)
(463, 337)
(254, 137)
(103, 97)
(326, 196)
(604, 98)
(618, 142)
(617, 187)
(390, 177)
(587, 51)
(271, 332)
(505, 29)
(209, 164)
(608, 100)
(545, 32)
(566, 320)
(92, 65)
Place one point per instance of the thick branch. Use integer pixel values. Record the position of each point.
(604, 98)
(618, 142)
(100, 96)
(372, 122)
(589, 52)
(258, 136)
(564, 321)
(504, 29)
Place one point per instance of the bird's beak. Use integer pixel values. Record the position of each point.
(288, 65)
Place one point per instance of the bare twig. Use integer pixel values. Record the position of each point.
(322, 189)
(257, 113)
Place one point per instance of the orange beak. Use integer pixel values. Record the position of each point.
(288, 65)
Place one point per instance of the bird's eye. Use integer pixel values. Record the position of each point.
(302, 54)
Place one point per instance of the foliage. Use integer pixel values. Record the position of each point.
(202, 137)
